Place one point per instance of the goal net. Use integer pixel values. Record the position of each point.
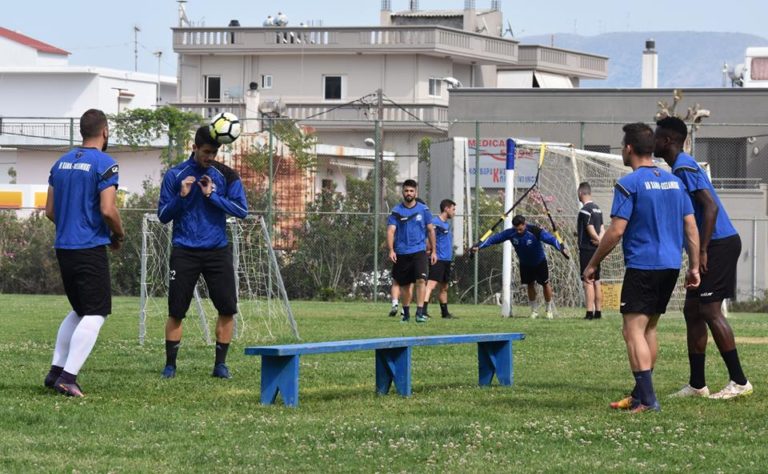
(562, 169)
(264, 312)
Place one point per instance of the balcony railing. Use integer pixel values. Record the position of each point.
(562, 61)
(430, 40)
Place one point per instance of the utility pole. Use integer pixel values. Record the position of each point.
(136, 30)
(377, 172)
(159, 55)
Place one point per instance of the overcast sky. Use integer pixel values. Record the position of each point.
(101, 32)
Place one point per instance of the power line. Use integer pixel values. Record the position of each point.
(411, 114)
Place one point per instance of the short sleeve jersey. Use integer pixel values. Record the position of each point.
(654, 203)
(695, 179)
(77, 179)
(443, 238)
(589, 214)
(527, 245)
(410, 227)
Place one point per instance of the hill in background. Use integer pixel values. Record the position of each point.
(686, 59)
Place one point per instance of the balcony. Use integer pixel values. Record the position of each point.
(561, 61)
(461, 46)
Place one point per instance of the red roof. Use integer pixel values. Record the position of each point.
(31, 42)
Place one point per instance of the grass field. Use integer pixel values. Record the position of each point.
(554, 419)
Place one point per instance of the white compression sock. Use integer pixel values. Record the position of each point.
(395, 301)
(66, 328)
(551, 305)
(534, 304)
(83, 340)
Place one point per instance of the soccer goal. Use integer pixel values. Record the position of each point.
(553, 172)
(264, 311)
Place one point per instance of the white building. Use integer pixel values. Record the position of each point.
(42, 98)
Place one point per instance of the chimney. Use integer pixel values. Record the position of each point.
(252, 122)
(385, 15)
(414, 5)
(650, 74)
(470, 16)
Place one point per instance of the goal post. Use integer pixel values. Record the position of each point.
(264, 311)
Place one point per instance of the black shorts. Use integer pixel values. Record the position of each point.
(585, 255)
(538, 273)
(410, 267)
(85, 273)
(647, 291)
(440, 271)
(719, 282)
(186, 266)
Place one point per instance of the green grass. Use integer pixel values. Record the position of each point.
(554, 419)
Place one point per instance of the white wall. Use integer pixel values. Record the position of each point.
(29, 94)
(16, 54)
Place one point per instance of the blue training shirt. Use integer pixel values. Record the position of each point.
(653, 202)
(528, 245)
(200, 222)
(77, 179)
(695, 179)
(410, 227)
(443, 239)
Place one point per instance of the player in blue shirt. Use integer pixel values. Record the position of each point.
(198, 195)
(409, 227)
(82, 188)
(527, 239)
(652, 214)
(440, 271)
(720, 247)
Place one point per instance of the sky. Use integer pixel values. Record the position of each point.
(101, 32)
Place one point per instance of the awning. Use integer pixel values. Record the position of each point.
(514, 79)
(552, 81)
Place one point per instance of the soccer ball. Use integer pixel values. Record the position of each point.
(225, 127)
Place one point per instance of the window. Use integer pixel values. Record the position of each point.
(327, 185)
(759, 70)
(435, 87)
(213, 88)
(333, 87)
(266, 81)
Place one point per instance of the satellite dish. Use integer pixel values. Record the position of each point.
(453, 83)
(369, 142)
(737, 75)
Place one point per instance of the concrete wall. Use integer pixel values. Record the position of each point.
(15, 54)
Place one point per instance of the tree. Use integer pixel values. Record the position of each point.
(301, 143)
(140, 127)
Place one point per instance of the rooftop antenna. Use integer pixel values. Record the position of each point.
(183, 20)
(136, 30)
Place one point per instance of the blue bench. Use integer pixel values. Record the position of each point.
(280, 364)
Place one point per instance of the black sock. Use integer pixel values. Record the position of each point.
(589, 315)
(696, 362)
(406, 312)
(171, 351)
(644, 383)
(221, 352)
(598, 314)
(419, 311)
(68, 378)
(735, 372)
(425, 309)
(55, 371)
(444, 309)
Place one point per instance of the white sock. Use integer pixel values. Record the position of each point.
(66, 328)
(83, 340)
(395, 301)
(550, 306)
(534, 305)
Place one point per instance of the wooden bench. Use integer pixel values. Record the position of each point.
(280, 364)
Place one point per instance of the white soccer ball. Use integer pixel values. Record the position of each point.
(225, 127)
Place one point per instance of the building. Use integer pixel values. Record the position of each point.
(42, 98)
(328, 77)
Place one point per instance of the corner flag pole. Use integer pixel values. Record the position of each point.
(509, 197)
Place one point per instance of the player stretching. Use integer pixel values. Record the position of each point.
(408, 228)
(440, 272)
(527, 239)
(652, 213)
(720, 247)
(82, 188)
(197, 195)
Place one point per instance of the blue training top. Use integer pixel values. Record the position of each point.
(528, 245)
(653, 202)
(695, 179)
(410, 227)
(443, 239)
(200, 222)
(78, 178)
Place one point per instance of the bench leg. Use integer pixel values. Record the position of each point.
(280, 374)
(495, 358)
(393, 365)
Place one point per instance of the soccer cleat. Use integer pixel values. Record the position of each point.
(68, 389)
(589, 316)
(550, 315)
(640, 408)
(449, 316)
(393, 312)
(169, 372)
(50, 380)
(405, 319)
(534, 314)
(421, 318)
(623, 404)
(733, 390)
(221, 371)
(689, 391)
